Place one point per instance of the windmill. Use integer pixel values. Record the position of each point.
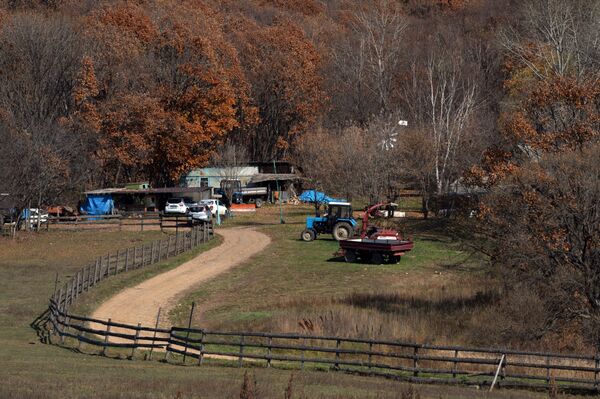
(390, 136)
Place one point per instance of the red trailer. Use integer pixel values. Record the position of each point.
(376, 245)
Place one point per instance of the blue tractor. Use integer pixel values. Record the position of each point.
(338, 221)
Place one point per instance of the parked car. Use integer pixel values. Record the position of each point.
(176, 205)
(198, 214)
(213, 204)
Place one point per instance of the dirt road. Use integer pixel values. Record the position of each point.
(139, 304)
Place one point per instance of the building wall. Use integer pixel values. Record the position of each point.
(213, 176)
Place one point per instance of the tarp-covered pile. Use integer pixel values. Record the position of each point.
(98, 204)
(313, 196)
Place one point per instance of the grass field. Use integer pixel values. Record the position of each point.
(435, 294)
(30, 369)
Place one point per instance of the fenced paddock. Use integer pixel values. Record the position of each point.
(393, 359)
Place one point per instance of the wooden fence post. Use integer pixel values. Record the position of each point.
(201, 354)
(416, 361)
(152, 253)
(60, 294)
(95, 271)
(497, 372)
(135, 340)
(160, 242)
(187, 335)
(78, 282)
(269, 353)
(106, 338)
(143, 255)
(596, 364)
(72, 290)
(302, 354)
(127, 259)
(547, 370)
(91, 270)
(337, 354)
(118, 260)
(370, 354)
(82, 286)
(176, 243)
(454, 363)
(241, 355)
(66, 320)
(154, 335)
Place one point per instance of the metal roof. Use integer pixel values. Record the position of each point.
(262, 177)
(160, 190)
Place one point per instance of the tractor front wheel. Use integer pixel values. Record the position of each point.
(342, 231)
(308, 235)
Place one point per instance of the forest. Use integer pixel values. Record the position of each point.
(502, 95)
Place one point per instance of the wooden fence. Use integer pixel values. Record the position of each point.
(138, 221)
(401, 360)
(129, 259)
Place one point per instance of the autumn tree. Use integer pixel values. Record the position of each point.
(187, 94)
(543, 173)
(282, 68)
(548, 213)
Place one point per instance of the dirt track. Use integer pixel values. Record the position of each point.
(139, 304)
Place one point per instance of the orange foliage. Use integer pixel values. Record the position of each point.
(189, 91)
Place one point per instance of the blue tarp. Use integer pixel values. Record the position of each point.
(98, 204)
(312, 195)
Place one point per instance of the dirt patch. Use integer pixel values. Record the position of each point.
(139, 304)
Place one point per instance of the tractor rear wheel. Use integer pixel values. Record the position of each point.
(308, 235)
(342, 231)
(350, 256)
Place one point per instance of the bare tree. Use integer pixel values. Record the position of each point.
(365, 62)
(231, 159)
(556, 37)
(380, 28)
(350, 162)
(443, 102)
(42, 159)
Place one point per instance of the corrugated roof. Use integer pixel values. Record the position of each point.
(262, 177)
